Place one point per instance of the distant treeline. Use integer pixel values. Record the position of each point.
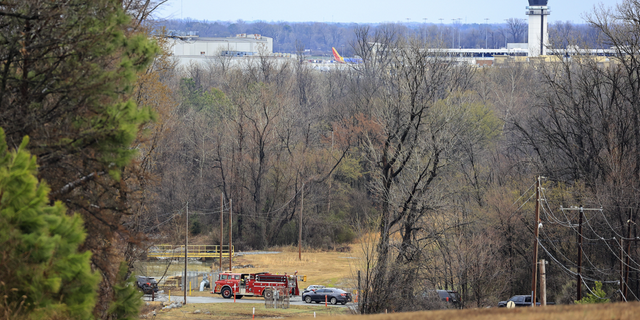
(319, 37)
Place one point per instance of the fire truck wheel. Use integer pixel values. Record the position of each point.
(307, 299)
(334, 301)
(226, 293)
(268, 294)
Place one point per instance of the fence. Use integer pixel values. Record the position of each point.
(193, 251)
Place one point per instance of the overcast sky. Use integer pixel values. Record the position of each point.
(372, 11)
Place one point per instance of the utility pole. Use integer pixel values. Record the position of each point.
(221, 227)
(626, 282)
(535, 245)
(579, 293)
(359, 294)
(300, 226)
(330, 181)
(543, 283)
(230, 229)
(581, 211)
(624, 297)
(186, 244)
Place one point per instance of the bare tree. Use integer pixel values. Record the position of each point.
(415, 119)
(517, 28)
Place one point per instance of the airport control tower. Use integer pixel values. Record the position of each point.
(538, 31)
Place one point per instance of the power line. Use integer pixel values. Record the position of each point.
(591, 220)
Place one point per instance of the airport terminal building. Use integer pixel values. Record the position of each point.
(242, 45)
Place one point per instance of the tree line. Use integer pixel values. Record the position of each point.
(320, 37)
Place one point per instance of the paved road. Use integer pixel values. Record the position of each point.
(218, 299)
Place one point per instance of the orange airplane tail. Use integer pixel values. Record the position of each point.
(336, 55)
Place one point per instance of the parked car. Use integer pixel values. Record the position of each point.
(147, 284)
(331, 295)
(520, 301)
(449, 296)
(438, 299)
(313, 287)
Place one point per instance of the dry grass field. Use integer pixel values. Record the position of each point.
(331, 269)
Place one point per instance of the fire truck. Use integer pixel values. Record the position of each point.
(255, 284)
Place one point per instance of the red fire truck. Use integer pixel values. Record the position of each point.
(255, 284)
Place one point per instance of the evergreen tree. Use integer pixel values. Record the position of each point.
(43, 273)
(128, 299)
(597, 295)
(68, 70)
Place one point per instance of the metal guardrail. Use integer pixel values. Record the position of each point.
(193, 251)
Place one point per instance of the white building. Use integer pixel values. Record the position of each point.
(538, 27)
(239, 46)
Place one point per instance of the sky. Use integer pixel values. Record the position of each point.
(372, 11)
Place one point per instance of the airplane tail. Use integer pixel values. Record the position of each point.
(336, 55)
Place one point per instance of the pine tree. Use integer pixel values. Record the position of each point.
(43, 273)
(69, 69)
(128, 298)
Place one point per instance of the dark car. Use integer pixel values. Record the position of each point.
(449, 296)
(438, 299)
(331, 295)
(148, 285)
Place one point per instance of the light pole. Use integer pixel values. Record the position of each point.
(486, 33)
(453, 38)
(425, 29)
(441, 28)
(458, 26)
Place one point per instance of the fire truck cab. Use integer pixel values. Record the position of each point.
(255, 284)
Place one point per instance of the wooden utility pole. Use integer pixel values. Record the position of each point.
(359, 293)
(186, 245)
(230, 229)
(221, 227)
(628, 252)
(300, 226)
(534, 276)
(330, 181)
(543, 283)
(622, 272)
(581, 211)
(579, 279)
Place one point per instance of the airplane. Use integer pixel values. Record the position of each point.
(344, 60)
